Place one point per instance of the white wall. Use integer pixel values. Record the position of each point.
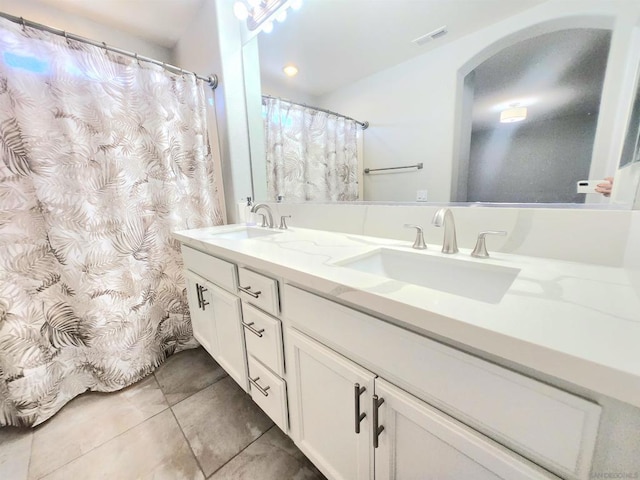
(412, 107)
(37, 12)
(213, 44)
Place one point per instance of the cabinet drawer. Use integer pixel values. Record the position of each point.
(263, 336)
(269, 392)
(259, 290)
(543, 423)
(217, 271)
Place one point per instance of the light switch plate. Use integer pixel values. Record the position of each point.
(421, 196)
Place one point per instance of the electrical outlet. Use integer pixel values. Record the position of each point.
(421, 196)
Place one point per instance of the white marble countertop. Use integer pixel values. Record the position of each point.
(576, 322)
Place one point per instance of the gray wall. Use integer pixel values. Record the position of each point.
(531, 161)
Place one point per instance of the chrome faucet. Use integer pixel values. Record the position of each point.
(266, 207)
(444, 217)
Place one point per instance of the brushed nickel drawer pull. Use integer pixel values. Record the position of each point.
(377, 429)
(199, 293)
(357, 391)
(249, 326)
(248, 291)
(254, 382)
(202, 290)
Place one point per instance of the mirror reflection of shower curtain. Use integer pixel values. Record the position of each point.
(101, 159)
(310, 154)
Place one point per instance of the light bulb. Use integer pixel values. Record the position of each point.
(281, 16)
(296, 4)
(267, 27)
(290, 70)
(240, 11)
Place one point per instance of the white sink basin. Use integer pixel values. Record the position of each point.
(245, 233)
(471, 279)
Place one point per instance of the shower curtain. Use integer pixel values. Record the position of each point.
(310, 154)
(102, 158)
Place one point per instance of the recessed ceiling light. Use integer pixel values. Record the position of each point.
(290, 70)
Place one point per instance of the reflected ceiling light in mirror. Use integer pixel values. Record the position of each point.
(516, 102)
(257, 13)
(515, 113)
(290, 70)
(296, 4)
(240, 10)
(267, 27)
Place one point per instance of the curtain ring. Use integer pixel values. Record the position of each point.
(106, 50)
(22, 22)
(66, 37)
(137, 60)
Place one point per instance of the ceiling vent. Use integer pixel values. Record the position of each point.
(437, 33)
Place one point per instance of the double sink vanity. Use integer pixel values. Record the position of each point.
(385, 361)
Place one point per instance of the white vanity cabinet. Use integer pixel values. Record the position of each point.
(227, 317)
(330, 409)
(420, 442)
(344, 419)
(234, 317)
(216, 314)
(364, 398)
(202, 323)
(540, 423)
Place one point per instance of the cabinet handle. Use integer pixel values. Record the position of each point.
(199, 295)
(248, 291)
(204, 302)
(249, 326)
(254, 382)
(377, 429)
(357, 391)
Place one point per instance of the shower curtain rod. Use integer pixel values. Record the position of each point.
(364, 125)
(212, 79)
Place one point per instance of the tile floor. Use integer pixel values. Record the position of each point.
(189, 420)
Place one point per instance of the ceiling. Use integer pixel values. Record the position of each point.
(162, 22)
(335, 42)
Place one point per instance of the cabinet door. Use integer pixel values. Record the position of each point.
(202, 322)
(324, 409)
(231, 351)
(420, 442)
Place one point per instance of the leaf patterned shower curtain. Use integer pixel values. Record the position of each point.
(311, 155)
(101, 159)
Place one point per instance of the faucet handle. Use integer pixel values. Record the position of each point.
(264, 220)
(419, 242)
(283, 222)
(480, 249)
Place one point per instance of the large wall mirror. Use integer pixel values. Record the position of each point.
(465, 101)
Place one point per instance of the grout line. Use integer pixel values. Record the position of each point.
(104, 443)
(112, 438)
(195, 457)
(194, 393)
(240, 452)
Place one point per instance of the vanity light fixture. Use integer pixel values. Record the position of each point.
(258, 12)
(290, 70)
(514, 113)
